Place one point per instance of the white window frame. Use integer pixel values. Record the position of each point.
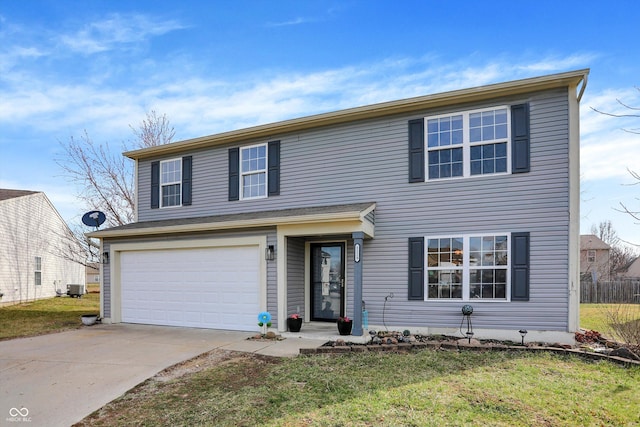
(466, 142)
(591, 255)
(168, 183)
(263, 171)
(37, 271)
(466, 267)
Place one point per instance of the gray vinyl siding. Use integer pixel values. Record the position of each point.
(367, 161)
(295, 275)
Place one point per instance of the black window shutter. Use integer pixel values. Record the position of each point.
(520, 150)
(187, 162)
(416, 150)
(416, 268)
(155, 185)
(234, 174)
(274, 168)
(520, 266)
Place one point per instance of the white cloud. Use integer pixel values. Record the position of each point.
(115, 31)
(559, 63)
(295, 21)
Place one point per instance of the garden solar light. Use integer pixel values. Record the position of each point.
(523, 332)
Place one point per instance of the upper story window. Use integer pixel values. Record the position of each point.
(467, 144)
(171, 182)
(591, 255)
(468, 267)
(253, 171)
(38, 271)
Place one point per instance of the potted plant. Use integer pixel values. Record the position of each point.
(89, 319)
(344, 325)
(294, 322)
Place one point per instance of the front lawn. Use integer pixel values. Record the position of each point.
(421, 388)
(46, 316)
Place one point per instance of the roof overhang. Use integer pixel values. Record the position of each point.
(516, 87)
(353, 217)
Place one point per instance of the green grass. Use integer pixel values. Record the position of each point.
(416, 389)
(379, 389)
(597, 317)
(46, 316)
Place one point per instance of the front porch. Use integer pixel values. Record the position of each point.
(324, 331)
(319, 270)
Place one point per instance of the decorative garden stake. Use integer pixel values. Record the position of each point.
(264, 321)
(467, 310)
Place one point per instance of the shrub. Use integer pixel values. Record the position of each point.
(624, 322)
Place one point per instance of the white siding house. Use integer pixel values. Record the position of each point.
(33, 240)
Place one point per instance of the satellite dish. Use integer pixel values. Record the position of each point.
(94, 218)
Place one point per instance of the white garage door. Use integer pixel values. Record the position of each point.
(214, 288)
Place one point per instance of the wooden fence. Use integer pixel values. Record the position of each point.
(616, 292)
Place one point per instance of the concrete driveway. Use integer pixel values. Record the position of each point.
(58, 379)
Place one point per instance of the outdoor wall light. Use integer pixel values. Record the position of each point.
(270, 253)
(105, 257)
(523, 332)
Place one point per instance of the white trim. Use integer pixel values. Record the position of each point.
(573, 285)
(264, 171)
(117, 248)
(179, 161)
(466, 267)
(340, 222)
(466, 143)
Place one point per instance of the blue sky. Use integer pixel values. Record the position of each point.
(213, 66)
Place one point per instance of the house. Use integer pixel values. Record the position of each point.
(92, 274)
(594, 258)
(420, 205)
(630, 271)
(32, 248)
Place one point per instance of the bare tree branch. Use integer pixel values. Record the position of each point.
(105, 178)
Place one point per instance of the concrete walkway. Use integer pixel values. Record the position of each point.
(58, 379)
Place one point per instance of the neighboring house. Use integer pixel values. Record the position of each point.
(92, 274)
(630, 271)
(419, 206)
(32, 247)
(594, 258)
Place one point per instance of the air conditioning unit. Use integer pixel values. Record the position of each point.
(75, 291)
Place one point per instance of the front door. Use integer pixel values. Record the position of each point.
(327, 281)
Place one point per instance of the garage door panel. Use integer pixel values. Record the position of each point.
(205, 287)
